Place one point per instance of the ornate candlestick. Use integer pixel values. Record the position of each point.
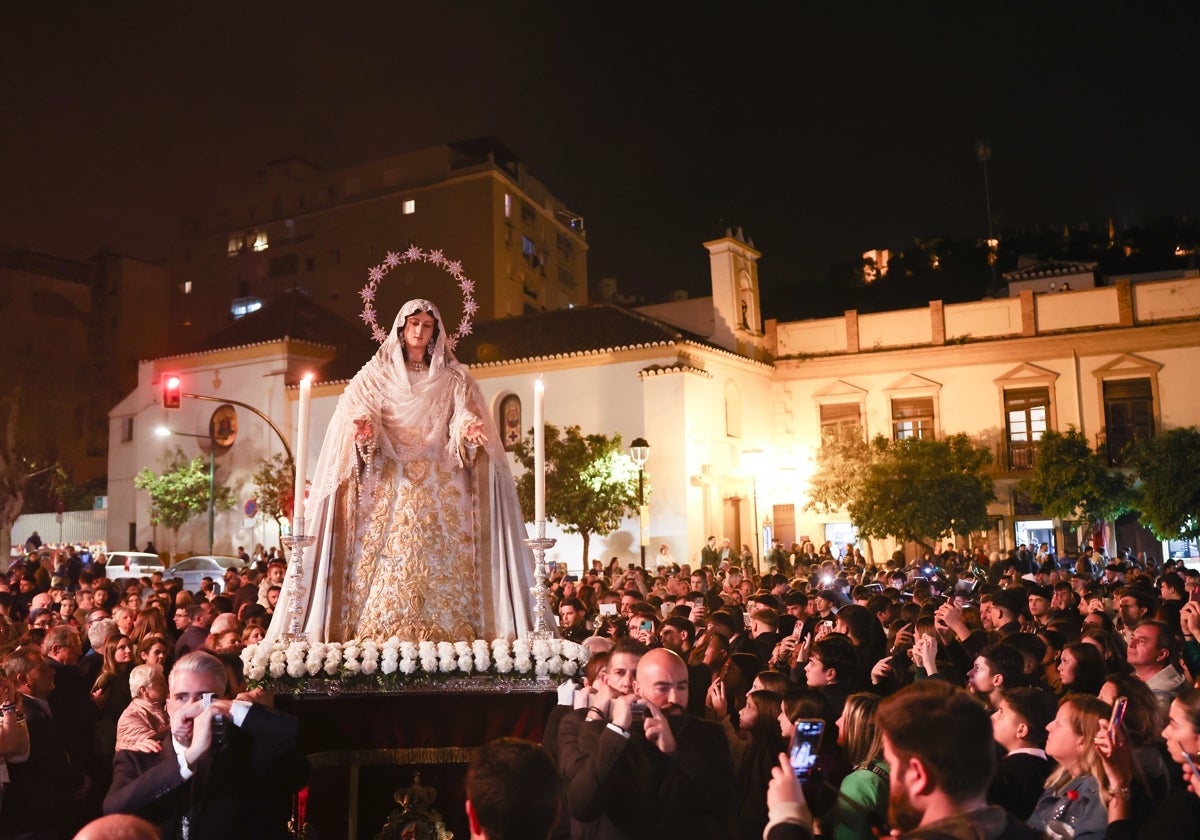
(297, 542)
(539, 590)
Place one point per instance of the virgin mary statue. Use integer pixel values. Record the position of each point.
(418, 529)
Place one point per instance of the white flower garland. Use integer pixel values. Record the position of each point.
(393, 660)
(415, 254)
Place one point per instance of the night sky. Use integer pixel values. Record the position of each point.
(822, 134)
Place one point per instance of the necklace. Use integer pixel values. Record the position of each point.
(415, 366)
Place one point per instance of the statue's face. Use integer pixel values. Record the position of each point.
(418, 332)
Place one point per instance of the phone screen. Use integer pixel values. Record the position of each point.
(806, 742)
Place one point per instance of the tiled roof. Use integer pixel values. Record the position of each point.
(1050, 268)
(291, 315)
(583, 329)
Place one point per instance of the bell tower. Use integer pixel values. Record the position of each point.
(737, 311)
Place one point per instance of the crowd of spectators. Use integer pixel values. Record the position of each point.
(88, 673)
(961, 695)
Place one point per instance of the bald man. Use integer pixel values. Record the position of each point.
(118, 827)
(649, 768)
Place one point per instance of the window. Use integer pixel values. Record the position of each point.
(127, 430)
(1026, 415)
(409, 206)
(284, 265)
(1128, 414)
(912, 418)
(260, 241)
(186, 287)
(244, 306)
(507, 206)
(235, 246)
(848, 415)
(528, 216)
(529, 250)
(565, 246)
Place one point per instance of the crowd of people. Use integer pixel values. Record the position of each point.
(115, 694)
(975, 695)
(956, 696)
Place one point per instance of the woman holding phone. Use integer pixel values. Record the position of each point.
(1178, 815)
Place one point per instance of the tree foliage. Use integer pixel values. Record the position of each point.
(1070, 481)
(841, 467)
(591, 483)
(923, 490)
(18, 470)
(275, 487)
(1168, 482)
(180, 491)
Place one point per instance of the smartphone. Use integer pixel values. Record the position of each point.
(206, 699)
(806, 743)
(608, 609)
(1118, 712)
(638, 711)
(647, 624)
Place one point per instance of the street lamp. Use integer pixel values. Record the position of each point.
(163, 431)
(639, 450)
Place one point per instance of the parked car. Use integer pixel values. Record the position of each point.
(131, 564)
(193, 570)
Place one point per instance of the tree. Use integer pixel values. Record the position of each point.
(17, 472)
(275, 487)
(1070, 481)
(591, 483)
(1168, 484)
(921, 490)
(841, 467)
(180, 492)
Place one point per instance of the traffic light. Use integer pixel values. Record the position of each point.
(172, 390)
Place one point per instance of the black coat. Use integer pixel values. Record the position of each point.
(243, 789)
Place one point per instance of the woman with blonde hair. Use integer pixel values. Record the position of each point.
(1076, 794)
(862, 805)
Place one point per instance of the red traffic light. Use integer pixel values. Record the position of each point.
(172, 390)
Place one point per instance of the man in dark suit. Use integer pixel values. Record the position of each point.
(40, 800)
(195, 786)
(1019, 727)
(668, 774)
(708, 555)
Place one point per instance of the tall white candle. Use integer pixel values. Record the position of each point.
(539, 452)
(300, 447)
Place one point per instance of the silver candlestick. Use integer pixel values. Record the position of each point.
(297, 542)
(539, 590)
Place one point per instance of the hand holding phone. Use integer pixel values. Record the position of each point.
(1118, 712)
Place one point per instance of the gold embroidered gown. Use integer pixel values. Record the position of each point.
(418, 534)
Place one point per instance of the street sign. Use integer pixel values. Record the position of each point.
(251, 509)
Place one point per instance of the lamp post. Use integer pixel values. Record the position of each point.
(639, 450)
(163, 431)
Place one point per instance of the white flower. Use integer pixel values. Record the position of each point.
(569, 668)
(247, 654)
(331, 667)
(553, 665)
(448, 665)
(352, 666)
(278, 656)
(462, 649)
(296, 669)
(480, 648)
(429, 664)
(313, 666)
(444, 649)
(278, 669)
(388, 666)
(556, 646)
(465, 663)
(520, 647)
(504, 666)
(543, 668)
(499, 647)
(406, 666)
(482, 663)
(408, 650)
(350, 653)
(523, 664)
(320, 650)
(572, 650)
(256, 673)
(541, 649)
(426, 648)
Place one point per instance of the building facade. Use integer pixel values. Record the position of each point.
(320, 230)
